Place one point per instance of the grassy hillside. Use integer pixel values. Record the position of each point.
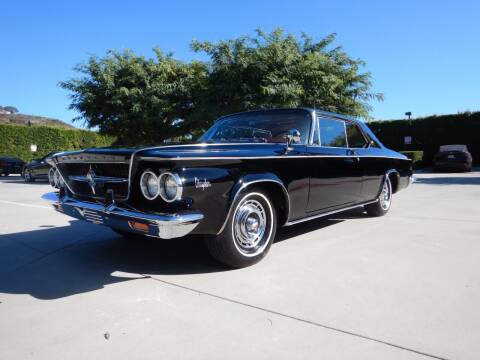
(21, 119)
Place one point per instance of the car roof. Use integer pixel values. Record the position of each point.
(311, 110)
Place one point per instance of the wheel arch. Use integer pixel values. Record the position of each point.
(394, 176)
(268, 182)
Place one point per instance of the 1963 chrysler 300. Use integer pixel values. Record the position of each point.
(247, 175)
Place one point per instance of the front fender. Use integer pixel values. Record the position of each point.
(256, 179)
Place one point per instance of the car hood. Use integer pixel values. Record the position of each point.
(213, 150)
(191, 151)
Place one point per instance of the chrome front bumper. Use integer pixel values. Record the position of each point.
(164, 226)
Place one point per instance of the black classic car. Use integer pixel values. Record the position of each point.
(247, 175)
(452, 158)
(10, 165)
(38, 169)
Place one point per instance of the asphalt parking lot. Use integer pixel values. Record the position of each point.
(405, 286)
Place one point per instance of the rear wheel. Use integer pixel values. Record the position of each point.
(381, 207)
(249, 231)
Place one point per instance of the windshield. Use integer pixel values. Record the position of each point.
(260, 126)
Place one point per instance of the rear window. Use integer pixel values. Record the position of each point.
(453, 148)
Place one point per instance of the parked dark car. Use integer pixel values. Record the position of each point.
(247, 175)
(452, 158)
(10, 165)
(37, 169)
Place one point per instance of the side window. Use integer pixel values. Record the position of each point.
(332, 133)
(355, 136)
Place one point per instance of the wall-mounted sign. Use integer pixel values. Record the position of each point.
(33, 148)
(407, 140)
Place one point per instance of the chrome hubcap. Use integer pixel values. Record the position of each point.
(386, 195)
(249, 226)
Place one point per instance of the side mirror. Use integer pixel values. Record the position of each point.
(292, 137)
(369, 144)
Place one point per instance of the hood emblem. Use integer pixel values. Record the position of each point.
(90, 177)
(199, 184)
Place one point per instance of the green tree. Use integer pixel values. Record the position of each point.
(143, 100)
(138, 100)
(275, 70)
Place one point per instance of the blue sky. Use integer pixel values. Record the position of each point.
(423, 55)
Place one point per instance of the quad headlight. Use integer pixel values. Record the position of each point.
(170, 186)
(149, 185)
(167, 185)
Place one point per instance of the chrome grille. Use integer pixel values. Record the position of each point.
(93, 179)
(92, 216)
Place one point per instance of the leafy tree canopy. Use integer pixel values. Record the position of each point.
(143, 100)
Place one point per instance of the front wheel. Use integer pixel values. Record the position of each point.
(249, 231)
(382, 205)
(27, 176)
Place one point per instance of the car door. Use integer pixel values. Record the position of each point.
(373, 161)
(335, 170)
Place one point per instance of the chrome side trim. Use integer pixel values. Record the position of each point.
(264, 157)
(244, 185)
(328, 213)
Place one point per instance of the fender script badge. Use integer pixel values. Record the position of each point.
(199, 184)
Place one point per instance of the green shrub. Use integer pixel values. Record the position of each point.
(416, 156)
(15, 140)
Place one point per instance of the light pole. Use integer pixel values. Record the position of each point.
(408, 139)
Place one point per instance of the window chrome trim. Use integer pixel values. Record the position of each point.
(280, 157)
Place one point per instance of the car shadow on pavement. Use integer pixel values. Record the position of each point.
(450, 180)
(56, 262)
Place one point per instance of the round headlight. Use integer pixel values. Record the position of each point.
(170, 187)
(149, 185)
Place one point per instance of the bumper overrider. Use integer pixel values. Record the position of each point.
(164, 226)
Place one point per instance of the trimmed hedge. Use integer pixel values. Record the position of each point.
(415, 156)
(15, 140)
(430, 132)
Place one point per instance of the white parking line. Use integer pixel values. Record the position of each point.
(27, 205)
